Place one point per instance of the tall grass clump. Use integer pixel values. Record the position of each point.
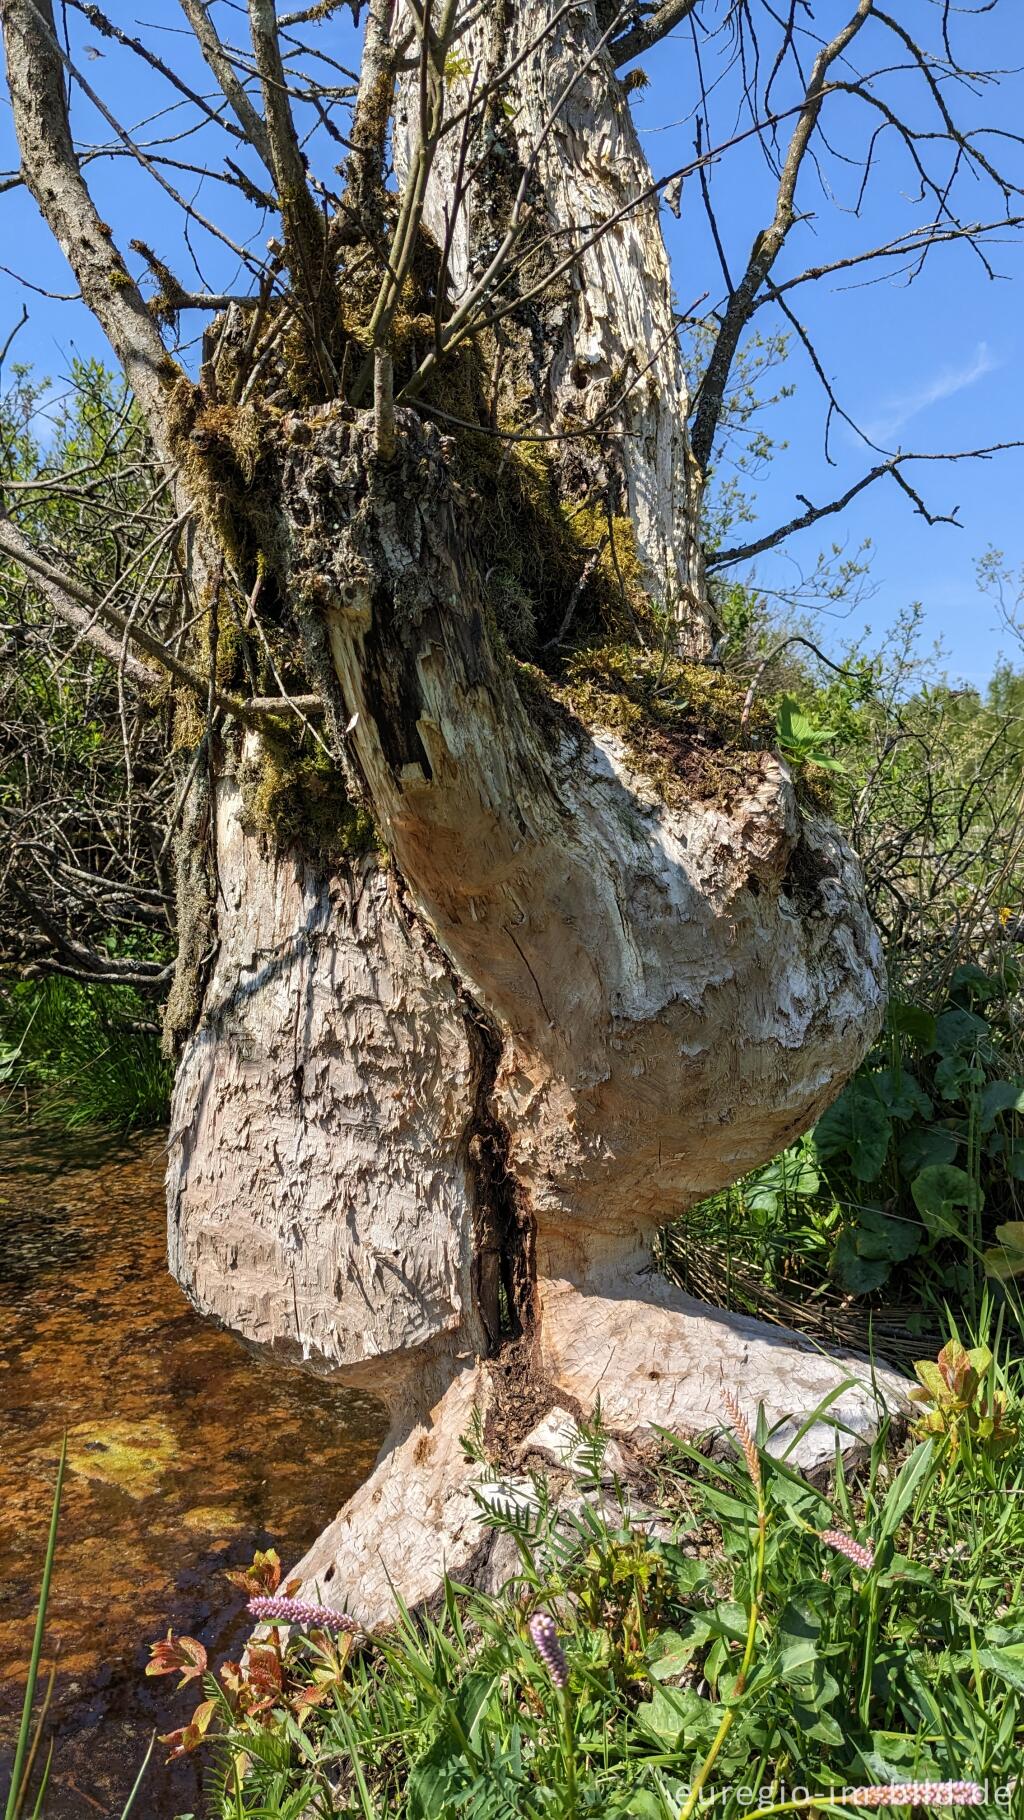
(76, 1055)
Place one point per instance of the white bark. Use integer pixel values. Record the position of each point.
(607, 328)
(655, 1358)
(592, 989)
(317, 1175)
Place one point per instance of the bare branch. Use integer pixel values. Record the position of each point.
(722, 559)
(221, 68)
(82, 619)
(51, 171)
(768, 245)
(645, 33)
(305, 238)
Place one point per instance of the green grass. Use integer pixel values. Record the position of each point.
(734, 1651)
(81, 1056)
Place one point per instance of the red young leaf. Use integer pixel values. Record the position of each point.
(263, 1576)
(177, 1654)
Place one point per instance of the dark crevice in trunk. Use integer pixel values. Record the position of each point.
(504, 1231)
(504, 1270)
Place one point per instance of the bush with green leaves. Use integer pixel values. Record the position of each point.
(81, 1055)
(912, 1182)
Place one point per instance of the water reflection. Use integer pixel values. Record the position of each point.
(184, 1455)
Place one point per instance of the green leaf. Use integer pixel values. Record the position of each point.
(959, 1030)
(858, 1125)
(924, 1146)
(903, 1489)
(1000, 1096)
(866, 1250)
(1005, 1259)
(818, 1725)
(972, 985)
(901, 1094)
(939, 1192)
(859, 1275)
(675, 1713)
(912, 1021)
(669, 1654)
(1006, 1664)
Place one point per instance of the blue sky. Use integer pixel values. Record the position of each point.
(933, 366)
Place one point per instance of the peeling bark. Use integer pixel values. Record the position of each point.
(417, 1122)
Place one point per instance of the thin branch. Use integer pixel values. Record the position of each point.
(721, 559)
(220, 66)
(38, 103)
(768, 244)
(645, 33)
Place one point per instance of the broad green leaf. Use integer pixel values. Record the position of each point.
(901, 1094)
(912, 1021)
(940, 1192)
(959, 1030)
(673, 1714)
(1000, 1096)
(669, 1654)
(1006, 1664)
(1005, 1259)
(857, 1125)
(924, 1146)
(818, 1725)
(972, 985)
(957, 1074)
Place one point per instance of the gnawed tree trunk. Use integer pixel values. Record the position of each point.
(603, 340)
(436, 1105)
(426, 1121)
(435, 1099)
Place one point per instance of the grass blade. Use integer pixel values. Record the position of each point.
(137, 1784)
(24, 1730)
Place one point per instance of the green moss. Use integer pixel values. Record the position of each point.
(680, 724)
(299, 797)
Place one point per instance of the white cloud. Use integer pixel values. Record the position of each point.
(896, 412)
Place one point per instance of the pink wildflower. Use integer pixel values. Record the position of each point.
(544, 1638)
(305, 1616)
(845, 1545)
(918, 1794)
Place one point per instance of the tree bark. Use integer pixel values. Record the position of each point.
(426, 1121)
(601, 344)
(434, 1101)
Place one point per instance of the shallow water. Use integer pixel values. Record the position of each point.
(184, 1455)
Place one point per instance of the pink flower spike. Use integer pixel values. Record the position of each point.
(279, 1610)
(544, 1638)
(843, 1544)
(918, 1794)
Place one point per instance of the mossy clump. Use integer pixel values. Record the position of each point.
(681, 724)
(658, 689)
(298, 795)
(685, 726)
(559, 572)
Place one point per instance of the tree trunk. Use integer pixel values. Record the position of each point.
(436, 1104)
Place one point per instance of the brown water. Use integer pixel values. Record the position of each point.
(184, 1455)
